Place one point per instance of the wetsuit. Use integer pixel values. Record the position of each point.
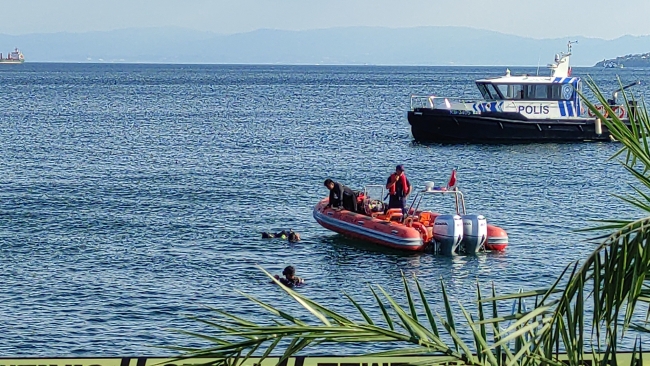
(341, 195)
(295, 281)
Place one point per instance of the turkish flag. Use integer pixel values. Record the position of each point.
(452, 180)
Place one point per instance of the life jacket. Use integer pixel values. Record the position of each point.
(403, 182)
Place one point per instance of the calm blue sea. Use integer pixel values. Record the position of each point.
(132, 196)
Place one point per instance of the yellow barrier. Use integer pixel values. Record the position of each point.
(254, 361)
(623, 359)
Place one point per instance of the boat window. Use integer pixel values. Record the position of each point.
(556, 92)
(511, 91)
(536, 91)
(489, 91)
(539, 91)
(484, 92)
(493, 92)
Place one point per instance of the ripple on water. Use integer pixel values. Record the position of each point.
(134, 195)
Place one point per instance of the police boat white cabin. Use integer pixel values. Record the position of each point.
(420, 229)
(520, 108)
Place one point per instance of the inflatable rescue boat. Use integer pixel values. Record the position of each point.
(421, 229)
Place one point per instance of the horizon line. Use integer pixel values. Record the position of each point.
(269, 64)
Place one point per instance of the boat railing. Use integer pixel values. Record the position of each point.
(434, 102)
(456, 193)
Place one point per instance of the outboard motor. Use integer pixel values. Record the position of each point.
(448, 233)
(474, 233)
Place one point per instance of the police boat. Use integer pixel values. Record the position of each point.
(516, 109)
(420, 229)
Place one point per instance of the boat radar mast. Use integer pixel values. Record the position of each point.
(560, 68)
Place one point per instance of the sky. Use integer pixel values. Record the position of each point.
(607, 19)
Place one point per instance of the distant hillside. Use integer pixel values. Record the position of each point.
(638, 60)
(351, 45)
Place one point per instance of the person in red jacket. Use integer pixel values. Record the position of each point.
(399, 188)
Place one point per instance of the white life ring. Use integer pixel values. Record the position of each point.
(600, 108)
(619, 111)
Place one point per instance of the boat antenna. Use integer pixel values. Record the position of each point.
(569, 45)
(539, 58)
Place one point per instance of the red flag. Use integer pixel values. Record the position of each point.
(570, 72)
(452, 180)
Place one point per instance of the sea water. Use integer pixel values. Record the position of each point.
(132, 196)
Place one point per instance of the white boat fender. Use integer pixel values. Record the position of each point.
(598, 126)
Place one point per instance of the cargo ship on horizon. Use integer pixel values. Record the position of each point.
(15, 57)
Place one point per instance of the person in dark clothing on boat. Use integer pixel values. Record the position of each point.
(399, 188)
(341, 196)
(290, 279)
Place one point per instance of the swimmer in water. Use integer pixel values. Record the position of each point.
(290, 279)
(291, 235)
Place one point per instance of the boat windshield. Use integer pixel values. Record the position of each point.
(374, 192)
(489, 92)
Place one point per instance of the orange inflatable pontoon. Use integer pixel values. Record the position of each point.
(420, 229)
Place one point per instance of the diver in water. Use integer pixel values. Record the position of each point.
(291, 235)
(290, 279)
